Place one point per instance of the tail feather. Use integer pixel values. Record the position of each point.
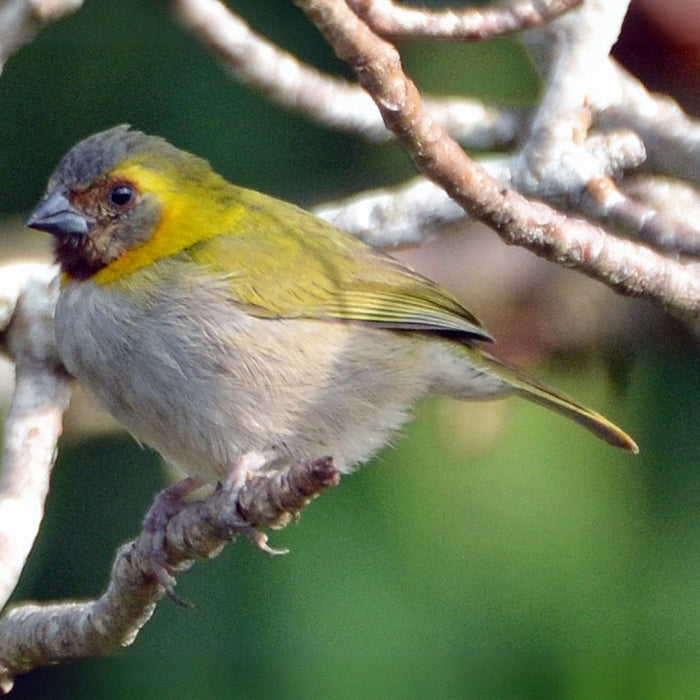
(533, 390)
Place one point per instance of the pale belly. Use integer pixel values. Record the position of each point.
(206, 389)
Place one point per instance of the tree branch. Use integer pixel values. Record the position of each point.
(329, 101)
(671, 137)
(20, 20)
(39, 635)
(642, 221)
(558, 159)
(458, 24)
(27, 297)
(561, 161)
(407, 214)
(629, 268)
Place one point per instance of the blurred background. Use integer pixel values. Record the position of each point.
(494, 551)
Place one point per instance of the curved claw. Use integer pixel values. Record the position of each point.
(259, 539)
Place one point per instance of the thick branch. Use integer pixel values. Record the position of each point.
(586, 87)
(556, 158)
(27, 299)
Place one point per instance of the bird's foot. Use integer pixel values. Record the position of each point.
(168, 503)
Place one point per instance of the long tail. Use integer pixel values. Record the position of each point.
(533, 390)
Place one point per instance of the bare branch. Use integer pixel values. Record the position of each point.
(411, 213)
(671, 137)
(20, 20)
(38, 635)
(556, 159)
(335, 103)
(404, 215)
(562, 160)
(622, 265)
(648, 223)
(573, 55)
(256, 61)
(458, 24)
(390, 217)
(27, 298)
(677, 202)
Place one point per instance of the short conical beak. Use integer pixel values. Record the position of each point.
(56, 215)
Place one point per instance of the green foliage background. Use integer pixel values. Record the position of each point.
(548, 566)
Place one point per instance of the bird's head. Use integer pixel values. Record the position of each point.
(111, 194)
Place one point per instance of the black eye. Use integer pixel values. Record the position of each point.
(121, 195)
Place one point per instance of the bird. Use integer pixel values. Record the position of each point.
(236, 333)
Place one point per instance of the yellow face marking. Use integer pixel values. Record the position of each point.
(186, 218)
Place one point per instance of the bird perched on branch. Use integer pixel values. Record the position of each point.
(234, 332)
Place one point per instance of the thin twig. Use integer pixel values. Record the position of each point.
(20, 20)
(458, 24)
(647, 223)
(329, 101)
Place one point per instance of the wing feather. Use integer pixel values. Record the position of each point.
(282, 262)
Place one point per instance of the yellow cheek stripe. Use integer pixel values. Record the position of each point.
(184, 221)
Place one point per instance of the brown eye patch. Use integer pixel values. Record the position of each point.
(106, 198)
